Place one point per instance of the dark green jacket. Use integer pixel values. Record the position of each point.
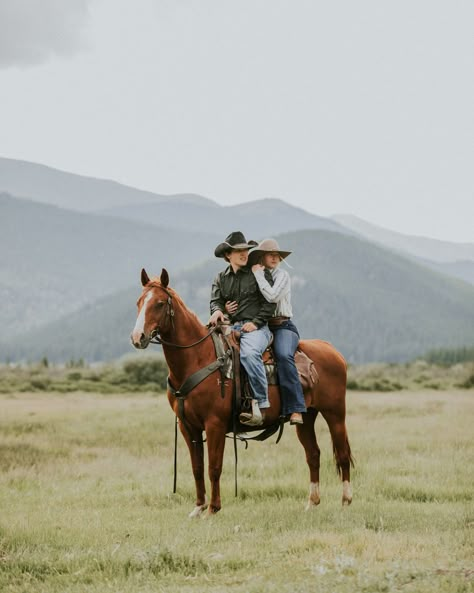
(242, 288)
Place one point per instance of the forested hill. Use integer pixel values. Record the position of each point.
(370, 303)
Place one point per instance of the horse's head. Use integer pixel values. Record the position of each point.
(155, 311)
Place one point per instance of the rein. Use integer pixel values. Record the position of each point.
(155, 337)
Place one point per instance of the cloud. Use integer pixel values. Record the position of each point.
(33, 31)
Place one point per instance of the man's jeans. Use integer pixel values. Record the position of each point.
(252, 346)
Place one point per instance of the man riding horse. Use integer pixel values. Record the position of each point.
(237, 284)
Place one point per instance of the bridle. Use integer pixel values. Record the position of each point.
(168, 312)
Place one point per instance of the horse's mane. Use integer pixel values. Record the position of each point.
(155, 282)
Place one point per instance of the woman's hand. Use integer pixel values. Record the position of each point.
(257, 267)
(249, 327)
(231, 307)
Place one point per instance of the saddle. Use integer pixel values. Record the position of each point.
(304, 365)
(229, 338)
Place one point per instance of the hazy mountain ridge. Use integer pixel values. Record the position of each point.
(74, 192)
(59, 265)
(260, 218)
(422, 247)
(367, 301)
(462, 270)
(54, 260)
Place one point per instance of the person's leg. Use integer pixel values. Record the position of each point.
(285, 342)
(252, 346)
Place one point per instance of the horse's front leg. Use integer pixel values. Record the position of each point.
(196, 451)
(215, 446)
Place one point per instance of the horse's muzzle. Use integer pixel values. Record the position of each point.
(139, 341)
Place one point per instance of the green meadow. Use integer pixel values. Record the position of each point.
(86, 501)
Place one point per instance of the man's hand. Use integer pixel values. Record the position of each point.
(249, 327)
(231, 307)
(216, 317)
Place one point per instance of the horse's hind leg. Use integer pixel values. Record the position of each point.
(196, 451)
(307, 437)
(342, 452)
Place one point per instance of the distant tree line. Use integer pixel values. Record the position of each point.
(141, 374)
(445, 369)
(449, 356)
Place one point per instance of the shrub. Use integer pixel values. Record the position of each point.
(74, 376)
(147, 370)
(468, 383)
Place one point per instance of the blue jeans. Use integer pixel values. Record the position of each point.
(252, 346)
(285, 342)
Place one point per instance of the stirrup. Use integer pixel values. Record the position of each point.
(250, 419)
(254, 418)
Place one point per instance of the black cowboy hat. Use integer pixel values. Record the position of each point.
(235, 240)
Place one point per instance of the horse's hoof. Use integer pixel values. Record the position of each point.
(211, 512)
(314, 496)
(198, 510)
(346, 493)
(310, 505)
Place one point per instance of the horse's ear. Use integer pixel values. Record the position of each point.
(164, 278)
(145, 278)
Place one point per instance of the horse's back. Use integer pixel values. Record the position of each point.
(332, 371)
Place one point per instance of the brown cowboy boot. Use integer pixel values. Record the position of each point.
(296, 418)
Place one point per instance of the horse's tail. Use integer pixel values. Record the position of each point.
(346, 458)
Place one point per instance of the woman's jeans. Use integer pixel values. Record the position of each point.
(285, 342)
(252, 346)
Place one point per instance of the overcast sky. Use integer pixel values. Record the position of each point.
(362, 107)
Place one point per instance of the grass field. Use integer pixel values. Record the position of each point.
(86, 503)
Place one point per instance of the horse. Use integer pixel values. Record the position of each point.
(208, 408)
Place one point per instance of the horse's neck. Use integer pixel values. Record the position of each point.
(184, 361)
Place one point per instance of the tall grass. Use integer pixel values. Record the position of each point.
(86, 503)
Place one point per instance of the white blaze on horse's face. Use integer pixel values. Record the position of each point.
(139, 339)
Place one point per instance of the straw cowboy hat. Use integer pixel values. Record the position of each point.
(235, 240)
(265, 246)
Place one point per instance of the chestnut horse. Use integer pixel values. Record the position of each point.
(187, 348)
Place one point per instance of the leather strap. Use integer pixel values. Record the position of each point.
(198, 377)
(189, 384)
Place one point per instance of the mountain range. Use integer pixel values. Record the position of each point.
(452, 259)
(71, 255)
(53, 261)
(370, 303)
